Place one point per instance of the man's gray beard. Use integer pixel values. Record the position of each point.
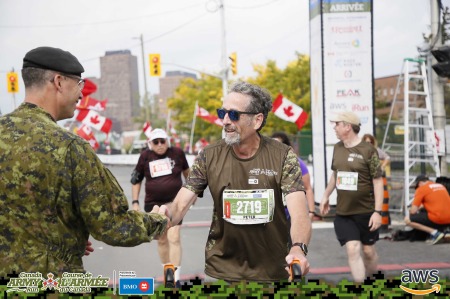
(234, 140)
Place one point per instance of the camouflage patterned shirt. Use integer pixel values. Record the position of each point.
(254, 252)
(54, 193)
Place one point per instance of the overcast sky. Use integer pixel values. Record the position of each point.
(188, 33)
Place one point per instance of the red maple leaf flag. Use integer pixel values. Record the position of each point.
(147, 128)
(94, 120)
(86, 133)
(288, 111)
(203, 113)
(90, 103)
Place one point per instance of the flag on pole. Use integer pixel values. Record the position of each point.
(203, 113)
(92, 104)
(174, 136)
(288, 111)
(94, 120)
(86, 133)
(147, 129)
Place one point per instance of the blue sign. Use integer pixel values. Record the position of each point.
(136, 286)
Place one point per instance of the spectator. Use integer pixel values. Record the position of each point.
(384, 157)
(282, 137)
(435, 215)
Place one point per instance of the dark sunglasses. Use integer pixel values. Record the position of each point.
(232, 114)
(159, 141)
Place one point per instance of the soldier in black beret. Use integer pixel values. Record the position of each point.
(54, 191)
(54, 59)
(52, 79)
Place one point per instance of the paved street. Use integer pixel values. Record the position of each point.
(328, 260)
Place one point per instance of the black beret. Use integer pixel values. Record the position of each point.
(54, 59)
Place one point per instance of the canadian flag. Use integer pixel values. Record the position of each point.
(86, 133)
(285, 109)
(175, 137)
(203, 113)
(92, 104)
(94, 120)
(89, 87)
(147, 128)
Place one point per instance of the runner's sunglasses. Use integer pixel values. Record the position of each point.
(158, 141)
(232, 114)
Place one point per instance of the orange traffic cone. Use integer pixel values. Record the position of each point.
(385, 218)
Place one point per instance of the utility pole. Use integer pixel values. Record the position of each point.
(146, 102)
(224, 52)
(437, 88)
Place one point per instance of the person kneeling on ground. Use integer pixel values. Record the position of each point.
(435, 215)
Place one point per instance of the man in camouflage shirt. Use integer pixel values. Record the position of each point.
(54, 191)
(248, 175)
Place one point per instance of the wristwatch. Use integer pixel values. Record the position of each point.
(302, 246)
(379, 212)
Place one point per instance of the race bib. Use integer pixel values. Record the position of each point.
(160, 167)
(346, 180)
(248, 206)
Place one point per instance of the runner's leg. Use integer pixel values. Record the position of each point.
(370, 257)
(355, 260)
(173, 236)
(163, 249)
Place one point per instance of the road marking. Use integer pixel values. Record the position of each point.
(315, 225)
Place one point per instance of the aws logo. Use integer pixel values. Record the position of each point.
(423, 276)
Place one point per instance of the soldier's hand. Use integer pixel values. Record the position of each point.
(89, 248)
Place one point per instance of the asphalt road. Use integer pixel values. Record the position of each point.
(327, 258)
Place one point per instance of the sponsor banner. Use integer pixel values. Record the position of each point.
(341, 74)
(136, 286)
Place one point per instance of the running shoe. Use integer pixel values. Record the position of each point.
(437, 238)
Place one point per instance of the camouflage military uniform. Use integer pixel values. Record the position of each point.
(54, 193)
(254, 252)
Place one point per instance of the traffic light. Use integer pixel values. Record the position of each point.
(233, 58)
(442, 55)
(155, 65)
(13, 82)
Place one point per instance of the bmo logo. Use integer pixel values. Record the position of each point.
(136, 286)
(144, 286)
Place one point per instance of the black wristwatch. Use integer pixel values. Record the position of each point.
(379, 212)
(302, 246)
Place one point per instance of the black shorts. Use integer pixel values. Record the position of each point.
(355, 228)
(421, 217)
(148, 207)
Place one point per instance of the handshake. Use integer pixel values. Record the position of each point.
(162, 211)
